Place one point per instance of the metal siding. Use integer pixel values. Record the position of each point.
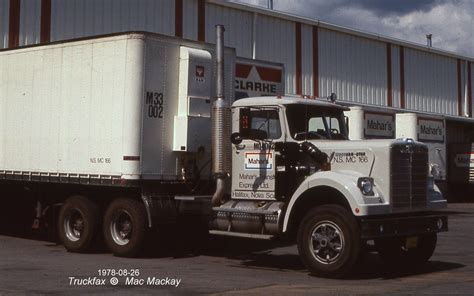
(190, 19)
(30, 21)
(77, 18)
(238, 28)
(396, 76)
(276, 43)
(352, 67)
(455, 132)
(430, 82)
(463, 87)
(4, 19)
(472, 89)
(307, 58)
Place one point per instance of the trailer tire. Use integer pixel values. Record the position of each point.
(78, 224)
(335, 231)
(125, 227)
(393, 253)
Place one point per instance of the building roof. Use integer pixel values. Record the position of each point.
(338, 28)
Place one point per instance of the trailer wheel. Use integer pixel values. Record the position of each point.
(125, 227)
(328, 241)
(78, 224)
(393, 252)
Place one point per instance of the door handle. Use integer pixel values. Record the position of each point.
(239, 146)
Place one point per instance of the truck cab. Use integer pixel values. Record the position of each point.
(296, 174)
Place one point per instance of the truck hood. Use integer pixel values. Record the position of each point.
(367, 158)
(356, 156)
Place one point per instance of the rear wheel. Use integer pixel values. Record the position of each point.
(396, 251)
(328, 241)
(125, 227)
(78, 224)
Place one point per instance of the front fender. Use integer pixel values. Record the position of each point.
(346, 184)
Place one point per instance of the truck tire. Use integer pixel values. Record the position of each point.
(392, 251)
(78, 224)
(125, 227)
(329, 241)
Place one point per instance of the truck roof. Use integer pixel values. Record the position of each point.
(286, 100)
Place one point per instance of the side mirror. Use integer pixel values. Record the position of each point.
(244, 123)
(235, 138)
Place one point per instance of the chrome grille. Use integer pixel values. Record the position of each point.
(409, 173)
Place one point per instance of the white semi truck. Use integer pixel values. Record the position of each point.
(125, 133)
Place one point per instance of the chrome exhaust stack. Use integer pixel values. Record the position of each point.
(221, 149)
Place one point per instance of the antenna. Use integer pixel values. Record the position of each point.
(428, 40)
(270, 4)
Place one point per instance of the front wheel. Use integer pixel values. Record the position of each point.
(328, 241)
(125, 227)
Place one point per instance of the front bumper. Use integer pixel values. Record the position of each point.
(377, 227)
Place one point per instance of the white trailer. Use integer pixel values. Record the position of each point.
(87, 121)
(430, 130)
(106, 110)
(370, 123)
(367, 122)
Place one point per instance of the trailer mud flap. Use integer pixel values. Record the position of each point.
(160, 210)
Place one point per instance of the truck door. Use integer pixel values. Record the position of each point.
(253, 160)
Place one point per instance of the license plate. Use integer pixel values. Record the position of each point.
(411, 242)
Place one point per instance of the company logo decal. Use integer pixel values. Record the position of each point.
(464, 160)
(199, 73)
(258, 161)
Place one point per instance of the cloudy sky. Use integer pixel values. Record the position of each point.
(450, 21)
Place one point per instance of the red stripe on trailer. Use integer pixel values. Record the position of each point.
(242, 71)
(402, 77)
(459, 88)
(201, 20)
(469, 87)
(315, 62)
(14, 24)
(299, 87)
(45, 29)
(136, 158)
(389, 75)
(178, 18)
(269, 74)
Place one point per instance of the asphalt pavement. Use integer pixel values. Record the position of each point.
(29, 265)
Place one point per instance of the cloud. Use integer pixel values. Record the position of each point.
(451, 21)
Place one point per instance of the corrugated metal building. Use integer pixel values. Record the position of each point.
(319, 58)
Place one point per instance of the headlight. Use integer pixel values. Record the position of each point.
(366, 185)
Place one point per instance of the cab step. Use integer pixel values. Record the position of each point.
(247, 211)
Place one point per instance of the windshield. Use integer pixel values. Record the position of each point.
(312, 123)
